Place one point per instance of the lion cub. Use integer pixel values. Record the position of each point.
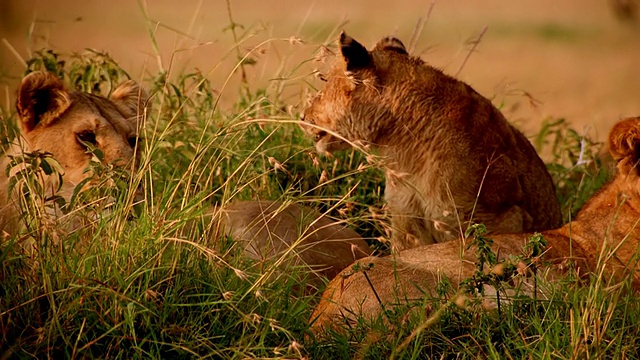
(64, 123)
(450, 155)
(605, 233)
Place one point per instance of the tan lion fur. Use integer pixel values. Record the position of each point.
(291, 234)
(53, 119)
(607, 229)
(450, 156)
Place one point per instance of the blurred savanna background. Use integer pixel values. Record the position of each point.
(577, 59)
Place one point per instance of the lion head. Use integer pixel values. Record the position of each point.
(67, 123)
(343, 110)
(72, 126)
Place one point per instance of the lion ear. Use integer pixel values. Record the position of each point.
(624, 139)
(355, 55)
(42, 98)
(130, 99)
(392, 44)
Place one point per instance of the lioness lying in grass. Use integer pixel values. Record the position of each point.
(604, 235)
(70, 125)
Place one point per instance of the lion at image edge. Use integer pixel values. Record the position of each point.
(64, 123)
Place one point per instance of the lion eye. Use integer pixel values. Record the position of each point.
(86, 138)
(322, 77)
(320, 135)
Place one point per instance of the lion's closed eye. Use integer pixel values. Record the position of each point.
(87, 138)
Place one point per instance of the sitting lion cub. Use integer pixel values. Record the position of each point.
(65, 123)
(450, 155)
(606, 229)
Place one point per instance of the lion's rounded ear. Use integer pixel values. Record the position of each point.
(391, 43)
(624, 140)
(42, 98)
(355, 55)
(130, 98)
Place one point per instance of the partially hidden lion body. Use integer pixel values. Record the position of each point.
(450, 156)
(607, 229)
(294, 234)
(66, 123)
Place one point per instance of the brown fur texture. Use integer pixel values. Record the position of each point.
(54, 119)
(606, 229)
(450, 156)
(297, 234)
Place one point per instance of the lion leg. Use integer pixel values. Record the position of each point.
(406, 234)
(514, 219)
